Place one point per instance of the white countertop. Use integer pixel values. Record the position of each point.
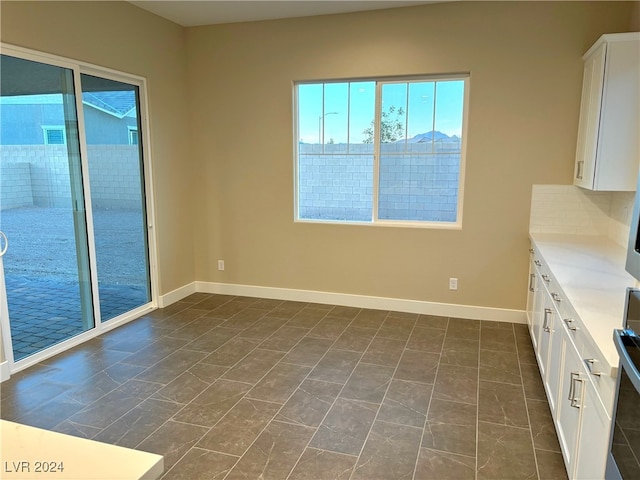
(591, 273)
(24, 450)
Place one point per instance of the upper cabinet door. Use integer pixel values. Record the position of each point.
(608, 152)
(592, 82)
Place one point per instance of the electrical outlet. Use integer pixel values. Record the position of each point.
(453, 283)
(221, 265)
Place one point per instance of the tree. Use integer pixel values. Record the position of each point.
(391, 126)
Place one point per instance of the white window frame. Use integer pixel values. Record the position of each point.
(375, 221)
(48, 128)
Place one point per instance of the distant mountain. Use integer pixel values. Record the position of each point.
(419, 138)
(430, 136)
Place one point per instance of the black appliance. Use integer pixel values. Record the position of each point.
(624, 452)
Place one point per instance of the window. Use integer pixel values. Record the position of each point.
(54, 135)
(381, 151)
(133, 135)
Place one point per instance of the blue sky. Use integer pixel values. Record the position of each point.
(344, 110)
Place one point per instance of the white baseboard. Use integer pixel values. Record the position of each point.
(4, 371)
(364, 301)
(177, 295)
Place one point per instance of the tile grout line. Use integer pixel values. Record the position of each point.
(385, 392)
(103, 370)
(233, 406)
(338, 395)
(253, 385)
(526, 403)
(426, 415)
(167, 333)
(478, 402)
(296, 389)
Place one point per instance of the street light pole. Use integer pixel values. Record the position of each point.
(320, 129)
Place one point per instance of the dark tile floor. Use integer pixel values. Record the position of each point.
(236, 387)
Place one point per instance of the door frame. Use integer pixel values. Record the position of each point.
(7, 364)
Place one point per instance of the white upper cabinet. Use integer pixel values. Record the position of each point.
(608, 149)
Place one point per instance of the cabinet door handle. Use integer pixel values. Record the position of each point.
(556, 297)
(575, 377)
(580, 169)
(532, 251)
(545, 325)
(569, 323)
(570, 397)
(546, 277)
(532, 278)
(589, 362)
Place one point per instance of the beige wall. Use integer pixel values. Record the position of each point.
(526, 74)
(123, 37)
(634, 23)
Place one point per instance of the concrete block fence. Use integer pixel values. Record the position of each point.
(38, 175)
(415, 182)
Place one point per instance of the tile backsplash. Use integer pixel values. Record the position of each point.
(567, 209)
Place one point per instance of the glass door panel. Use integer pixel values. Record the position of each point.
(111, 112)
(46, 267)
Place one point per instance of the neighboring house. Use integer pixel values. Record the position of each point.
(110, 119)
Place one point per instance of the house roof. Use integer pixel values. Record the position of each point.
(120, 104)
(116, 103)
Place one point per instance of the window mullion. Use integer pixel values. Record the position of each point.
(376, 150)
(433, 119)
(348, 117)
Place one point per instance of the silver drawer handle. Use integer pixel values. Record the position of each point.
(589, 362)
(538, 263)
(545, 325)
(532, 251)
(546, 277)
(575, 377)
(569, 323)
(580, 169)
(556, 297)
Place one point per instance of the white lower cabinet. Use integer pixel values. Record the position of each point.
(568, 411)
(591, 459)
(544, 341)
(556, 352)
(536, 301)
(581, 420)
(531, 291)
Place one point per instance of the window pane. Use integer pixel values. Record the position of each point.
(309, 113)
(449, 108)
(334, 119)
(420, 182)
(362, 107)
(46, 268)
(393, 120)
(116, 171)
(335, 179)
(420, 128)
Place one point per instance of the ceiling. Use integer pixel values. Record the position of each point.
(210, 12)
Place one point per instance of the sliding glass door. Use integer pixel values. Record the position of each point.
(73, 201)
(42, 207)
(116, 171)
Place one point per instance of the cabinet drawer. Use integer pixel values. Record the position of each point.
(597, 369)
(602, 376)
